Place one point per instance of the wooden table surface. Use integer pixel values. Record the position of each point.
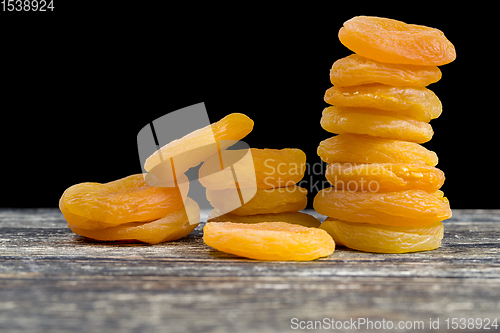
(52, 280)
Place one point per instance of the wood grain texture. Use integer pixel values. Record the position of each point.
(54, 281)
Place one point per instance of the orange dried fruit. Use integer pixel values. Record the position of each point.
(81, 221)
(355, 70)
(129, 199)
(384, 177)
(299, 218)
(384, 124)
(393, 41)
(196, 147)
(384, 239)
(419, 103)
(270, 168)
(353, 148)
(266, 201)
(171, 227)
(403, 208)
(269, 240)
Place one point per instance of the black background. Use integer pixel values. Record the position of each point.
(80, 82)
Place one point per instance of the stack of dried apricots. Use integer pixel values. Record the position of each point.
(154, 207)
(385, 195)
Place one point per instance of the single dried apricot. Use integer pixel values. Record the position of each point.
(299, 218)
(384, 124)
(384, 177)
(129, 199)
(403, 208)
(267, 168)
(171, 227)
(266, 201)
(393, 41)
(355, 70)
(384, 239)
(269, 240)
(196, 147)
(417, 102)
(354, 148)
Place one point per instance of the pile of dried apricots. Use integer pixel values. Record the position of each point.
(385, 195)
(261, 216)
(151, 207)
(380, 111)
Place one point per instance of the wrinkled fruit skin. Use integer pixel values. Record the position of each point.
(271, 168)
(299, 218)
(384, 177)
(396, 42)
(403, 208)
(269, 240)
(384, 239)
(266, 201)
(129, 199)
(418, 103)
(168, 228)
(374, 122)
(355, 70)
(353, 148)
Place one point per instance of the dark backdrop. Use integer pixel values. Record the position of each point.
(79, 83)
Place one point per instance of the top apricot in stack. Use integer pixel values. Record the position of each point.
(396, 42)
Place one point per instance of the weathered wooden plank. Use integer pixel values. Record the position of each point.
(52, 280)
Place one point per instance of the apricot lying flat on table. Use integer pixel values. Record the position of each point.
(124, 200)
(353, 148)
(384, 177)
(299, 218)
(384, 124)
(393, 41)
(355, 70)
(196, 147)
(270, 168)
(171, 227)
(384, 239)
(417, 102)
(269, 240)
(403, 208)
(266, 201)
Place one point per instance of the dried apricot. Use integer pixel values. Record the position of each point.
(403, 208)
(196, 147)
(417, 102)
(168, 228)
(266, 201)
(129, 199)
(375, 122)
(355, 70)
(384, 239)
(299, 218)
(384, 177)
(393, 41)
(354, 148)
(267, 168)
(269, 240)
